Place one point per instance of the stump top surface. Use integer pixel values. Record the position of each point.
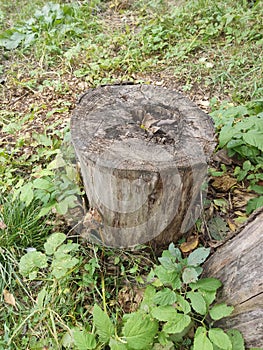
(138, 122)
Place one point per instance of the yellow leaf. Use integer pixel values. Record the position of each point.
(190, 245)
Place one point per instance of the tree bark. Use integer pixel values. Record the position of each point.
(143, 152)
(238, 264)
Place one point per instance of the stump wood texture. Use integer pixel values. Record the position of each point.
(238, 264)
(143, 154)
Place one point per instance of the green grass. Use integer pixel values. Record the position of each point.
(52, 52)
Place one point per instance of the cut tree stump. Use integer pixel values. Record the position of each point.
(238, 264)
(143, 153)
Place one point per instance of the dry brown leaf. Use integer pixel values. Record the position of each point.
(148, 121)
(2, 225)
(9, 298)
(224, 183)
(190, 244)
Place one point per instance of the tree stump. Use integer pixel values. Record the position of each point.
(238, 264)
(143, 153)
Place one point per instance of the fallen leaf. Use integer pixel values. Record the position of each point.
(190, 244)
(9, 298)
(224, 183)
(148, 121)
(217, 228)
(231, 225)
(2, 225)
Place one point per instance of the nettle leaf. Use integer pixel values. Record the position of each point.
(189, 275)
(53, 242)
(220, 338)
(197, 302)
(208, 296)
(31, 262)
(168, 277)
(201, 341)
(178, 324)
(167, 263)
(175, 251)
(165, 296)
(182, 304)
(164, 313)
(208, 284)
(139, 331)
(220, 311)
(198, 256)
(237, 339)
(116, 345)
(84, 340)
(103, 324)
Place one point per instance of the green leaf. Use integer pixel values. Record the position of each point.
(254, 138)
(31, 262)
(201, 341)
(140, 331)
(180, 322)
(208, 296)
(165, 296)
(197, 302)
(220, 311)
(220, 338)
(175, 252)
(103, 324)
(209, 284)
(168, 277)
(61, 264)
(164, 313)
(116, 345)
(27, 194)
(183, 305)
(43, 184)
(237, 339)
(84, 340)
(198, 256)
(53, 242)
(189, 275)
(148, 297)
(254, 204)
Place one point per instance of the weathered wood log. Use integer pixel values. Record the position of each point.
(238, 264)
(143, 153)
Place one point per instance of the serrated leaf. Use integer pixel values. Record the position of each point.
(62, 264)
(140, 331)
(116, 345)
(165, 296)
(220, 338)
(198, 256)
(103, 324)
(180, 322)
(208, 296)
(164, 313)
(168, 277)
(220, 311)
(209, 284)
(183, 304)
(237, 339)
(197, 302)
(201, 341)
(189, 275)
(84, 340)
(53, 242)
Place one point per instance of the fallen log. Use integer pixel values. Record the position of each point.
(238, 264)
(143, 153)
